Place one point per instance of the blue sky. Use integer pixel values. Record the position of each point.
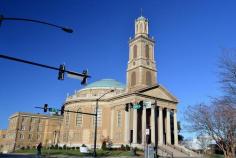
(189, 34)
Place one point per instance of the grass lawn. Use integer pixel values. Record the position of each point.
(76, 152)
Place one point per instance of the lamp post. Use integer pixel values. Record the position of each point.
(68, 30)
(96, 119)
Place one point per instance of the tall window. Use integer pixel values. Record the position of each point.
(99, 119)
(30, 136)
(79, 119)
(119, 119)
(21, 136)
(148, 78)
(38, 136)
(133, 79)
(67, 119)
(141, 27)
(135, 52)
(147, 51)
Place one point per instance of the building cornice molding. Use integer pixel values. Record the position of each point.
(141, 37)
(138, 92)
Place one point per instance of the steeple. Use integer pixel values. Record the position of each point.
(141, 71)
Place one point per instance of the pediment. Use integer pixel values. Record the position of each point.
(159, 92)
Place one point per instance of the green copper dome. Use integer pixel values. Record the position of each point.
(106, 83)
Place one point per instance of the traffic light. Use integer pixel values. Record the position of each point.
(45, 108)
(62, 109)
(141, 104)
(127, 107)
(84, 80)
(61, 72)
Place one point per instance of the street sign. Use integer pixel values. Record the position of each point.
(148, 104)
(52, 110)
(136, 106)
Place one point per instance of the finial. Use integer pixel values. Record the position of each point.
(141, 11)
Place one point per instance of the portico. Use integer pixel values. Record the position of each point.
(152, 125)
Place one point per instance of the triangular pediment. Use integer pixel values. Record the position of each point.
(159, 91)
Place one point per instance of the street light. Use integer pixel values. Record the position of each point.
(96, 119)
(68, 30)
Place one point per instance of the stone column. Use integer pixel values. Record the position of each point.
(135, 126)
(168, 138)
(160, 127)
(153, 130)
(127, 126)
(144, 124)
(175, 128)
(112, 123)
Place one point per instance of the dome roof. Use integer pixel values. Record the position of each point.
(106, 83)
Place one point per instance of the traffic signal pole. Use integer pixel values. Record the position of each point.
(85, 113)
(84, 74)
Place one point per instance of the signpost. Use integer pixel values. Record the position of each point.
(148, 104)
(137, 106)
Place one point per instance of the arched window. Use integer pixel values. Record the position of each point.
(99, 117)
(133, 79)
(141, 28)
(147, 51)
(148, 78)
(135, 52)
(79, 119)
(67, 119)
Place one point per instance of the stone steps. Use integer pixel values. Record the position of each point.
(176, 152)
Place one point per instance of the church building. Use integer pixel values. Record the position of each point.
(138, 113)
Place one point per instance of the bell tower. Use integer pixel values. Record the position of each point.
(141, 71)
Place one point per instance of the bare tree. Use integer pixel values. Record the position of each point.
(227, 67)
(203, 141)
(218, 119)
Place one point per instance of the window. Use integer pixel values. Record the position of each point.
(99, 119)
(148, 78)
(135, 52)
(141, 27)
(133, 79)
(79, 119)
(147, 51)
(67, 119)
(30, 136)
(65, 137)
(119, 119)
(21, 136)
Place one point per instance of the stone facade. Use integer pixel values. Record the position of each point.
(26, 130)
(125, 127)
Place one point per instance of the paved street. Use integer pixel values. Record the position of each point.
(54, 156)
